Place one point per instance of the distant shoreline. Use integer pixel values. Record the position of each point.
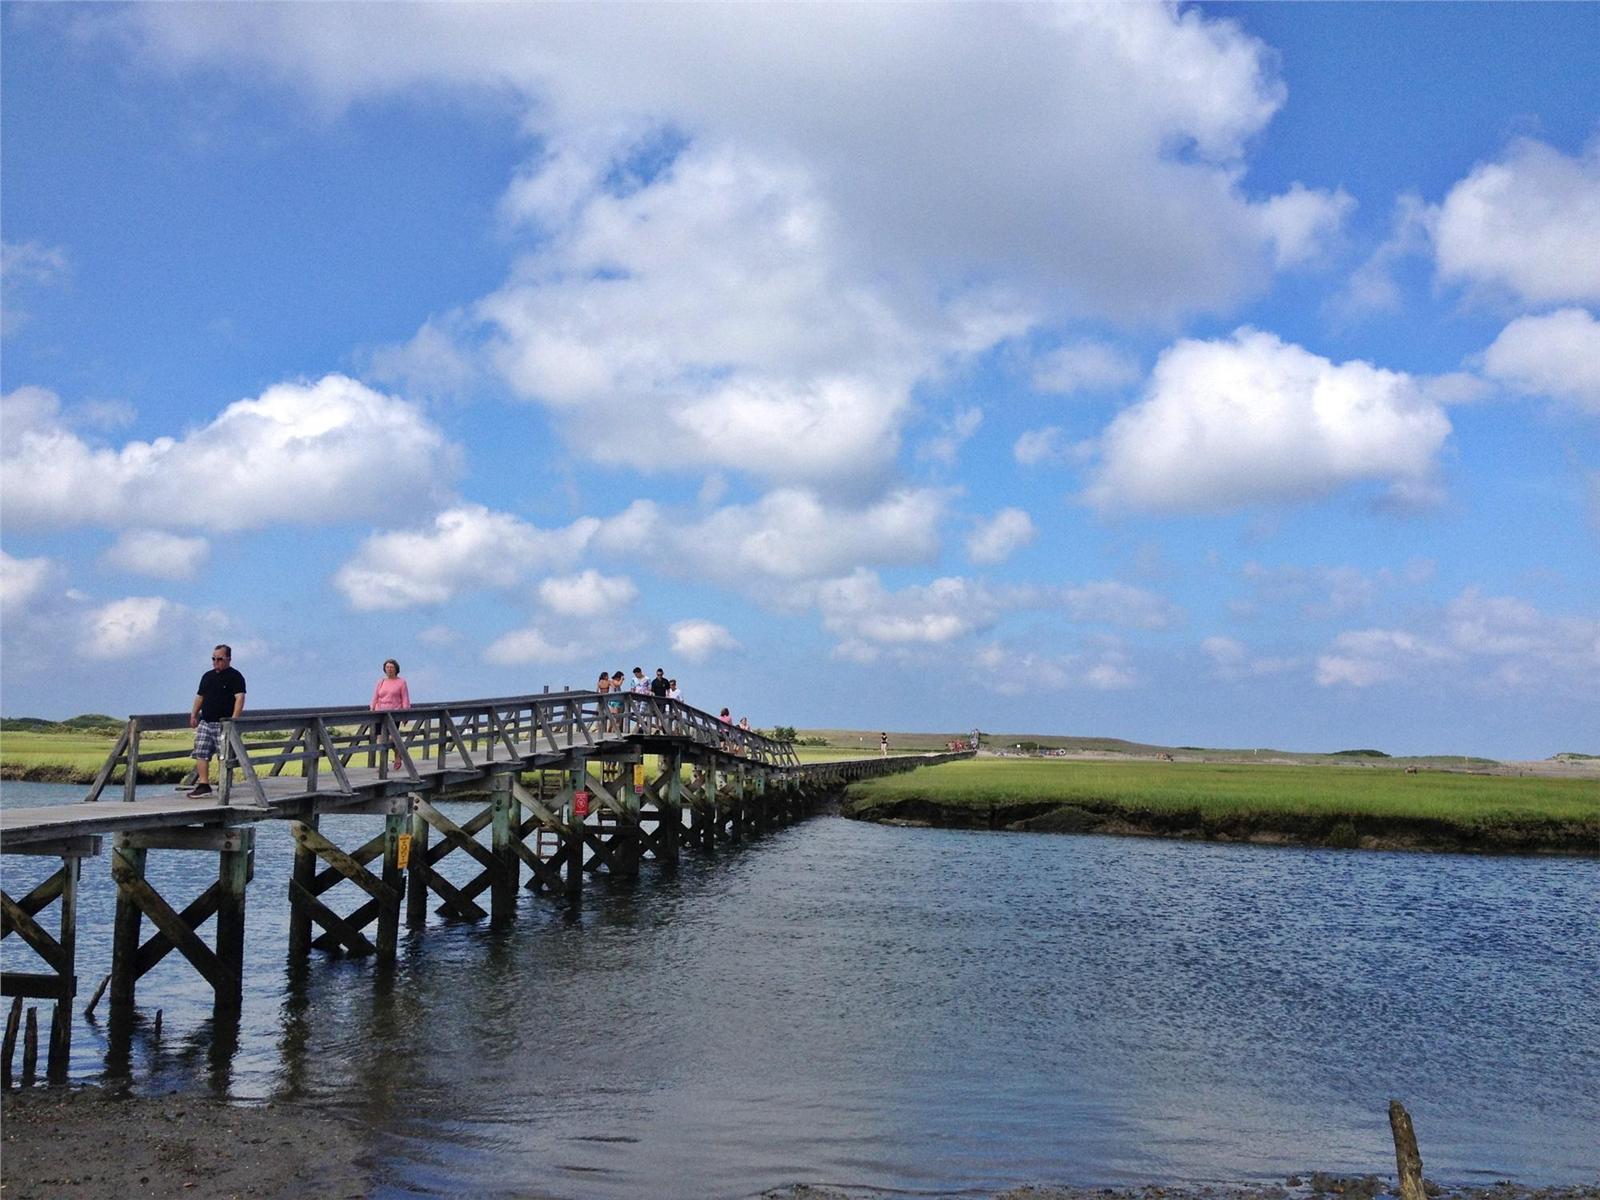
(1352, 805)
(1373, 833)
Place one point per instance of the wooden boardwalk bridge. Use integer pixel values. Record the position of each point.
(577, 783)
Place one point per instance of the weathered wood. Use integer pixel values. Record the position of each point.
(36, 901)
(302, 875)
(330, 877)
(458, 837)
(30, 1048)
(417, 883)
(351, 938)
(8, 1047)
(216, 837)
(195, 914)
(125, 930)
(36, 985)
(455, 904)
(394, 879)
(30, 931)
(233, 878)
(1408, 1159)
(506, 876)
(105, 981)
(165, 918)
(61, 1020)
(103, 775)
(347, 866)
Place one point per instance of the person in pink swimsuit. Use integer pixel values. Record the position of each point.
(391, 694)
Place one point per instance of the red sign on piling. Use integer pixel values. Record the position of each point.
(580, 804)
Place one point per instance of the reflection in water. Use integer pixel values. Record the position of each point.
(925, 1009)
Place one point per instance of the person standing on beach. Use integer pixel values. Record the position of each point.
(883, 745)
(219, 698)
(391, 695)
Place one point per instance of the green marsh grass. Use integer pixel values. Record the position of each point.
(1217, 791)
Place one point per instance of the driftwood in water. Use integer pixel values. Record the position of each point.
(1406, 1155)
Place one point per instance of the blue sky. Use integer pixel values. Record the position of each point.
(1215, 375)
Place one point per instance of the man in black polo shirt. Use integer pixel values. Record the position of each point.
(219, 698)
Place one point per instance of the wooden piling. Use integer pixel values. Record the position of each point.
(508, 874)
(30, 1047)
(126, 862)
(233, 876)
(8, 1048)
(61, 1019)
(395, 827)
(417, 871)
(302, 874)
(1408, 1159)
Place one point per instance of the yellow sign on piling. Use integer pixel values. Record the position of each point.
(638, 779)
(402, 851)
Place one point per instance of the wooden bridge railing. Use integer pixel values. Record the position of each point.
(468, 735)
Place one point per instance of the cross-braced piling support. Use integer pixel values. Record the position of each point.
(221, 965)
(58, 951)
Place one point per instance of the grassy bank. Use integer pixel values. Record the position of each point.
(74, 757)
(1339, 806)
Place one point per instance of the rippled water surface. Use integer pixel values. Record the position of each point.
(919, 1009)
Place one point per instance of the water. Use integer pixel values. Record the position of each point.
(919, 1009)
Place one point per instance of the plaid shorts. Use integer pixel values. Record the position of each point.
(207, 739)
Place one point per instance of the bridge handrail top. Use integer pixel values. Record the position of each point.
(324, 710)
(265, 718)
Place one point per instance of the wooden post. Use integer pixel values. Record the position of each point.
(741, 813)
(395, 826)
(302, 873)
(233, 876)
(125, 933)
(669, 811)
(417, 884)
(30, 1047)
(508, 876)
(1406, 1155)
(61, 1021)
(8, 1048)
(574, 836)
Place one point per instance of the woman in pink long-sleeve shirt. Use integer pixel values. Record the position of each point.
(391, 693)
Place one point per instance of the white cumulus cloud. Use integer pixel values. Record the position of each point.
(1527, 224)
(466, 548)
(720, 256)
(157, 554)
(697, 640)
(789, 536)
(21, 581)
(1478, 640)
(299, 453)
(127, 628)
(587, 594)
(1255, 420)
(1556, 355)
(1001, 536)
(1084, 366)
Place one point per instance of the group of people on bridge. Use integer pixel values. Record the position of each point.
(220, 697)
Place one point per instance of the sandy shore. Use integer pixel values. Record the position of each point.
(90, 1144)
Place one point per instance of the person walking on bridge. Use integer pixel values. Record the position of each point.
(219, 698)
(391, 695)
